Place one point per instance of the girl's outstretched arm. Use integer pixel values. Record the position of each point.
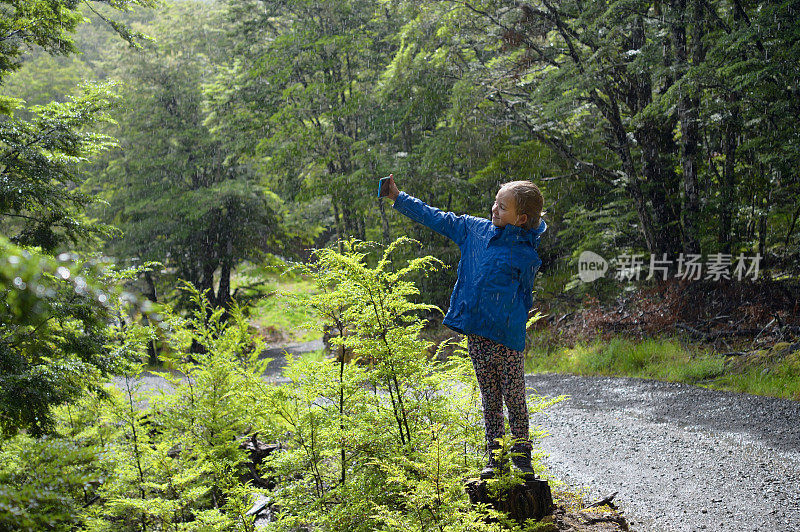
(445, 223)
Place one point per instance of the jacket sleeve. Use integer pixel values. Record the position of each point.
(528, 281)
(445, 223)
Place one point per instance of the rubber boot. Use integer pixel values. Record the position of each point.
(492, 465)
(521, 459)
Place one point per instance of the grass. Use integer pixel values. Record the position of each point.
(280, 318)
(313, 356)
(773, 372)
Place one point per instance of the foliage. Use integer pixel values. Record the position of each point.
(172, 187)
(771, 372)
(299, 100)
(129, 461)
(378, 446)
(53, 322)
(39, 203)
(278, 317)
(178, 462)
(53, 333)
(380, 439)
(43, 482)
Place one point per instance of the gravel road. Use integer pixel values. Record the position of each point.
(681, 458)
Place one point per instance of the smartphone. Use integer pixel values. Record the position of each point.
(383, 181)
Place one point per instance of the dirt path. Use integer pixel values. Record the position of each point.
(148, 382)
(681, 458)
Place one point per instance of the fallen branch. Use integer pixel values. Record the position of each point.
(608, 500)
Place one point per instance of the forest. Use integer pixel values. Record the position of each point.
(179, 179)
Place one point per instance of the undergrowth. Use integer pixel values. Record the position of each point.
(383, 441)
(772, 372)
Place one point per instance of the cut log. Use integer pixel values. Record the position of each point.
(258, 451)
(529, 500)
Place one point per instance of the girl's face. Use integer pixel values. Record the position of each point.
(504, 210)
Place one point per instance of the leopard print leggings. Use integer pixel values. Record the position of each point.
(501, 376)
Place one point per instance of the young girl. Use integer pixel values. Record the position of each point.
(491, 300)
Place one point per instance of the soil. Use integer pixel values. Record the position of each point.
(723, 313)
(586, 520)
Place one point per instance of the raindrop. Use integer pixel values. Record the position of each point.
(13, 259)
(19, 283)
(80, 286)
(63, 272)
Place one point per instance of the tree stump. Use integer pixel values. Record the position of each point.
(529, 500)
(257, 451)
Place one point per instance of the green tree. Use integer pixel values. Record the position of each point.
(647, 99)
(172, 188)
(380, 439)
(53, 333)
(39, 203)
(53, 321)
(301, 94)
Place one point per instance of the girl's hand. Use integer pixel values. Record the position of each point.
(391, 189)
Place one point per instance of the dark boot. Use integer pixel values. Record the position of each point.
(521, 459)
(492, 465)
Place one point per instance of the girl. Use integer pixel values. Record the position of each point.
(491, 300)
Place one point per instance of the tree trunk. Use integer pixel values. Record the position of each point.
(151, 295)
(206, 283)
(360, 226)
(405, 136)
(762, 224)
(347, 219)
(728, 195)
(660, 183)
(387, 237)
(688, 115)
(339, 228)
(224, 290)
(621, 145)
(530, 500)
(791, 226)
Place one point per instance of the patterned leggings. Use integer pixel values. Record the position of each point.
(501, 376)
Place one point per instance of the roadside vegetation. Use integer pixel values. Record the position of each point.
(773, 372)
(379, 437)
(741, 337)
(276, 317)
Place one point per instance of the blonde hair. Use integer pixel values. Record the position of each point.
(529, 201)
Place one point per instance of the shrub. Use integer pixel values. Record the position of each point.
(384, 445)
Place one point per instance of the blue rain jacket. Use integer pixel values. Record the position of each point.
(494, 289)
